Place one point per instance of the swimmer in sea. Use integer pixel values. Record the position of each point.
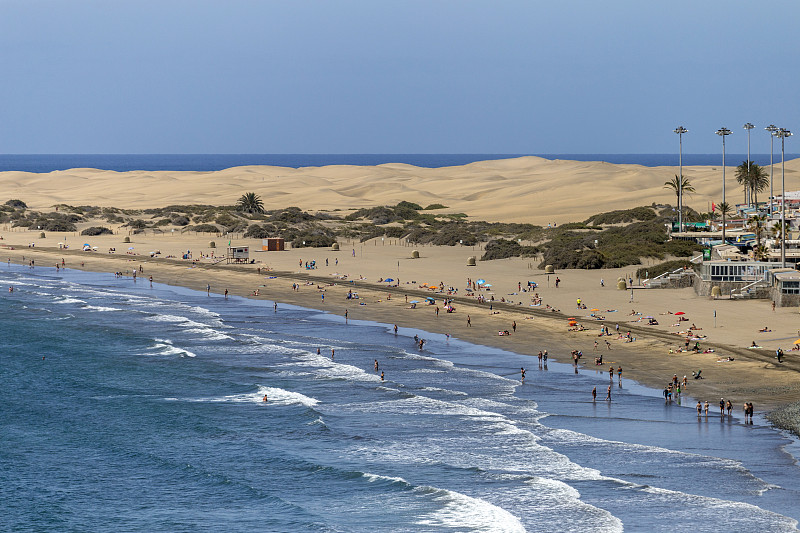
(333, 352)
(376, 365)
(381, 376)
(318, 352)
(265, 398)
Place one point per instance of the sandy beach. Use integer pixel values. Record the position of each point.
(752, 375)
(527, 189)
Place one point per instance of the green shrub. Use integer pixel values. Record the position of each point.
(97, 230)
(435, 206)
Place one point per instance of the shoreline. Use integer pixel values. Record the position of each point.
(753, 378)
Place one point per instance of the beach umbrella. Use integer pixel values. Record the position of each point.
(797, 341)
(87, 244)
(595, 309)
(487, 284)
(481, 281)
(414, 302)
(130, 247)
(388, 279)
(647, 317)
(680, 313)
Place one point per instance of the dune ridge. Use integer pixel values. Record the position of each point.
(524, 189)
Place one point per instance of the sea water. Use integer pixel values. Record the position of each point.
(131, 407)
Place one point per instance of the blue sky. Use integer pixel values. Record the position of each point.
(258, 76)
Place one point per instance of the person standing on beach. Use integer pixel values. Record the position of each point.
(469, 322)
(608, 393)
(611, 373)
(275, 306)
(722, 406)
(514, 326)
(608, 344)
(705, 408)
(544, 356)
(729, 407)
(557, 282)
(619, 374)
(594, 394)
(699, 408)
(395, 329)
(595, 346)
(345, 315)
(226, 294)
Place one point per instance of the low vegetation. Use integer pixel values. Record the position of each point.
(605, 240)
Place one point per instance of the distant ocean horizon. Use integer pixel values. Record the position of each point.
(212, 162)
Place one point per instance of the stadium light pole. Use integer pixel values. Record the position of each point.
(748, 127)
(772, 128)
(723, 132)
(680, 130)
(783, 133)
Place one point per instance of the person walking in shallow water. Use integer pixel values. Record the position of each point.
(608, 393)
(594, 394)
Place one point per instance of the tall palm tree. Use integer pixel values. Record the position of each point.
(676, 184)
(250, 203)
(753, 178)
(743, 176)
(725, 210)
(759, 181)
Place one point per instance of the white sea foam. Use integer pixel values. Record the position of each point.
(100, 309)
(275, 396)
(69, 300)
(461, 511)
(165, 347)
(325, 368)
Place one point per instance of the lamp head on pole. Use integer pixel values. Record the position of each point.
(722, 132)
(783, 133)
(772, 128)
(748, 126)
(680, 129)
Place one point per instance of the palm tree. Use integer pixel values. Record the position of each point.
(250, 203)
(756, 224)
(725, 210)
(759, 181)
(677, 183)
(753, 178)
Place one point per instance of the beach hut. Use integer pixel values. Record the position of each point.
(415, 254)
(273, 244)
(238, 254)
(471, 261)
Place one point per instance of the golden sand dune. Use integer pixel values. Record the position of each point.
(524, 189)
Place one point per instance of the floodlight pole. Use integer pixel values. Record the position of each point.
(680, 130)
(772, 128)
(723, 132)
(748, 193)
(783, 133)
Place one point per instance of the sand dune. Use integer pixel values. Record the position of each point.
(525, 189)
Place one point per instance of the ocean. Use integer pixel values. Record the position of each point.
(131, 407)
(211, 162)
